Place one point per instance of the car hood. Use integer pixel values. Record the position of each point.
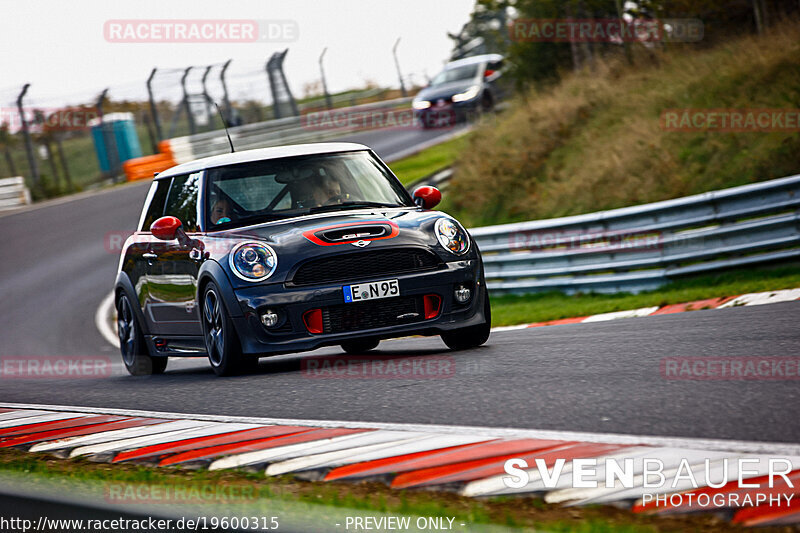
(445, 91)
(298, 239)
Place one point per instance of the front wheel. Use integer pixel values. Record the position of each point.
(222, 342)
(137, 360)
(473, 336)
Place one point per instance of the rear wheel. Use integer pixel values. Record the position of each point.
(137, 360)
(473, 336)
(360, 346)
(222, 342)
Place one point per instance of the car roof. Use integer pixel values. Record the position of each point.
(473, 60)
(259, 154)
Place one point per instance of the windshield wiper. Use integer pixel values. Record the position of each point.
(346, 205)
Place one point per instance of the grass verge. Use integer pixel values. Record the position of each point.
(509, 310)
(526, 513)
(429, 160)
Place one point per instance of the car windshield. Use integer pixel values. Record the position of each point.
(466, 72)
(249, 193)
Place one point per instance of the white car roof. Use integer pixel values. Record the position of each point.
(259, 154)
(485, 58)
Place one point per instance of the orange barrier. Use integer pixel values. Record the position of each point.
(145, 167)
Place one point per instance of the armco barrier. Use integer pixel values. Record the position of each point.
(642, 247)
(291, 130)
(14, 193)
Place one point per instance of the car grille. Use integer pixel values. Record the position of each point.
(365, 265)
(376, 314)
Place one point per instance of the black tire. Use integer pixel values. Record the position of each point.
(132, 345)
(473, 336)
(360, 346)
(221, 340)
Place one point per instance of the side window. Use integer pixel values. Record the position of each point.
(154, 204)
(182, 200)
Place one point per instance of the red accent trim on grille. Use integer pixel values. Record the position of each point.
(311, 234)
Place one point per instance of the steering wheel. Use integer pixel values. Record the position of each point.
(337, 199)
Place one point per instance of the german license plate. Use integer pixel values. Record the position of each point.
(371, 291)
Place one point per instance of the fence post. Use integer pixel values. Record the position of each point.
(26, 134)
(399, 73)
(328, 102)
(186, 105)
(107, 130)
(154, 109)
(206, 98)
(226, 103)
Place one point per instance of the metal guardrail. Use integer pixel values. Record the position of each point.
(14, 193)
(291, 130)
(642, 247)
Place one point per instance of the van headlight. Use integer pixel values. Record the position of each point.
(452, 236)
(253, 261)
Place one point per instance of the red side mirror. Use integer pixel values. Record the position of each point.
(165, 228)
(427, 197)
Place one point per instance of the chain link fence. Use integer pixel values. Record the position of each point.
(52, 140)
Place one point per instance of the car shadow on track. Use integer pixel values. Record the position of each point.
(375, 363)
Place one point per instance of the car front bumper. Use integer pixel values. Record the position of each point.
(291, 333)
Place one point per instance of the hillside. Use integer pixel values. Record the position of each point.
(595, 141)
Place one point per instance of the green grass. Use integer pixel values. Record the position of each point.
(509, 310)
(428, 161)
(284, 495)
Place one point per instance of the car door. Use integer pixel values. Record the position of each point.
(172, 276)
(140, 254)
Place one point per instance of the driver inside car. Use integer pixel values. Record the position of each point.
(221, 211)
(317, 189)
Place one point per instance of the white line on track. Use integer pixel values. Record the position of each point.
(102, 320)
(777, 448)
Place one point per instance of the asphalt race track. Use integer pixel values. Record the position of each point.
(600, 377)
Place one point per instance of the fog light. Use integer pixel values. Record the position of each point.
(269, 318)
(462, 294)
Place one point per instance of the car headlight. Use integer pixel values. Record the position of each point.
(420, 104)
(469, 94)
(451, 235)
(253, 261)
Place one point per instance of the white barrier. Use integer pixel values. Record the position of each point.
(14, 193)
